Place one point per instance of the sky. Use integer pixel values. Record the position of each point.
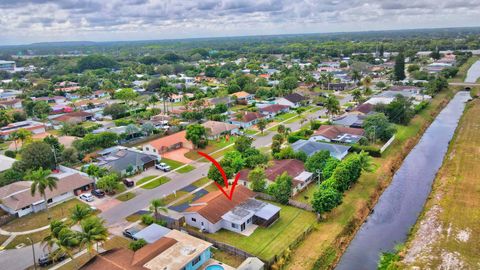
(28, 21)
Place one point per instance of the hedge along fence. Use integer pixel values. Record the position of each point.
(280, 261)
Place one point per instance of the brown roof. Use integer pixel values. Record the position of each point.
(241, 94)
(274, 108)
(331, 132)
(68, 116)
(248, 117)
(216, 128)
(17, 195)
(126, 259)
(169, 140)
(215, 204)
(10, 102)
(293, 167)
(364, 108)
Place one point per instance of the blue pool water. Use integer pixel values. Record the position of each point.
(214, 267)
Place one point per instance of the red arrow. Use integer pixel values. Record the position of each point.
(224, 176)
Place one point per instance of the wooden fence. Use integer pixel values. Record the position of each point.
(291, 202)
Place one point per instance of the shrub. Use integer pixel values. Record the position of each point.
(147, 219)
(10, 153)
(371, 150)
(138, 244)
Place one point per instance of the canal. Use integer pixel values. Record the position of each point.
(400, 204)
(473, 73)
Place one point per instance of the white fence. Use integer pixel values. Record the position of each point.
(387, 144)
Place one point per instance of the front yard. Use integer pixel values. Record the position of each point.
(213, 145)
(268, 242)
(153, 184)
(175, 164)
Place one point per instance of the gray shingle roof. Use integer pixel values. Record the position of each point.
(311, 148)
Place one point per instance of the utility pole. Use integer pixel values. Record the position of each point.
(33, 252)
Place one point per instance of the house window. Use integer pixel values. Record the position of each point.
(234, 225)
(148, 149)
(196, 260)
(249, 220)
(154, 150)
(50, 200)
(201, 223)
(194, 219)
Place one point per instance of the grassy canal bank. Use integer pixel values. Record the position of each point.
(323, 247)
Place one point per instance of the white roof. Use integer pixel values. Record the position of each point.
(304, 176)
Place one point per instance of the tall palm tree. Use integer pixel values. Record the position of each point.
(165, 93)
(79, 212)
(356, 75)
(61, 240)
(332, 105)
(329, 80)
(357, 95)
(93, 232)
(41, 180)
(367, 82)
(157, 205)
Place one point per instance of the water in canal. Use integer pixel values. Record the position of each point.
(473, 73)
(399, 206)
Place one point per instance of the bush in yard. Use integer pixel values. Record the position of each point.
(137, 244)
(325, 199)
(371, 150)
(281, 190)
(197, 134)
(329, 167)
(243, 143)
(148, 219)
(10, 153)
(109, 183)
(317, 161)
(257, 179)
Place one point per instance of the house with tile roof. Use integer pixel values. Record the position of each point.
(246, 119)
(293, 167)
(340, 134)
(216, 129)
(125, 160)
(273, 110)
(73, 117)
(175, 250)
(243, 214)
(16, 198)
(167, 143)
(293, 100)
(33, 126)
(243, 96)
(336, 150)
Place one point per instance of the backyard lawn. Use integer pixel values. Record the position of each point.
(155, 183)
(40, 219)
(268, 242)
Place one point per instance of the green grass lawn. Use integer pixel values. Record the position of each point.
(145, 179)
(40, 219)
(172, 197)
(155, 183)
(175, 164)
(265, 243)
(250, 131)
(211, 147)
(36, 237)
(126, 196)
(284, 116)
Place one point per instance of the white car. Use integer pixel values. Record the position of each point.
(87, 197)
(163, 167)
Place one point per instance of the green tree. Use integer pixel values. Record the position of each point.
(116, 110)
(281, 129)
(41, 181)
(137, 244)
(92, 232)
(197, 134)
(61, 240)
(5, 118)
(127, 95)
(79, 212)
(399, 68)
(376, 126)
(325, 199)
(262, 124)
(22, 135)
(332, 105)
(257, 179)
(156, 206)
(400, 110)
(109, 183)
(243, 143)
(281, 189)
(357, 95)
(329, 167)
(316, 162)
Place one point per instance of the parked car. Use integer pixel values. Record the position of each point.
(87, 197)
(162, 166)
(320, 104)
(46, 259)
(127, 182)
(98, 193)
(130, 232)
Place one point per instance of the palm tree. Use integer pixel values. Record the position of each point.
(41, 180)
(365, 161)
(329, 80)
(367, 82)
(165, 93)
(79, 212)
(61, 240)
(356, 76)
(157, 205)
(357, 95)
(332, 105)
(93, 232)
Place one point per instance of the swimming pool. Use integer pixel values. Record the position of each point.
(214, 267)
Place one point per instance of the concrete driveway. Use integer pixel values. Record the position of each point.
(178, 155)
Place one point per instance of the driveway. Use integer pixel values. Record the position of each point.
(178, 155)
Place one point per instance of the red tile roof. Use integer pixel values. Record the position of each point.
(293, 167)
(274, 108)
(248, 117)
(215, 204)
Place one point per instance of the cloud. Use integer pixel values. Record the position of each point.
(41, 20)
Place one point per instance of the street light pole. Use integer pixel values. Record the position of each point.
(33, 252)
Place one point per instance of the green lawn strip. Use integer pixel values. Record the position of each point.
(186, 169)
(146, 179)
(133, 218)
(173, 196)
(126, 196)
(157, 182)
(284, 116)
(188, 199)
(250, 131)
(40, 219)
(172, 163)
(202, 181)
(268, 242)
(36, 237)
(3, 238)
